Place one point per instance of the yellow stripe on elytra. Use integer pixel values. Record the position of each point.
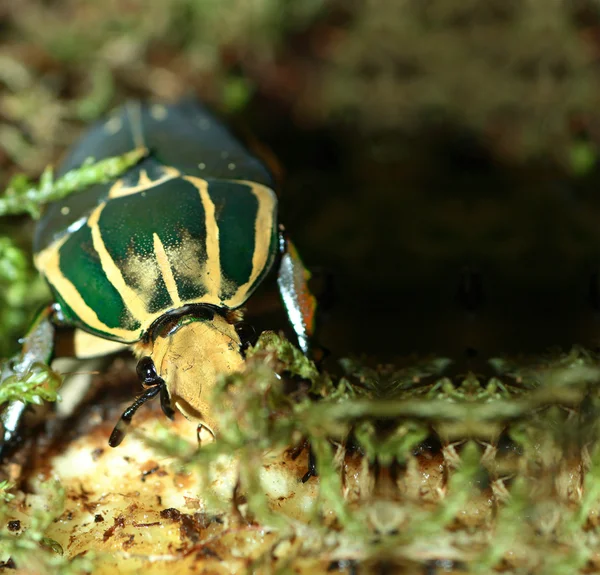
(118, 189)
(212, 274)
(166, 271)
(144, 180)
(129, 296)
(263, 227)
(48, 262)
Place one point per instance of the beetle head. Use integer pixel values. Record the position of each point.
(190, 358)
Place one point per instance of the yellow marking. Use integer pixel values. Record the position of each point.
(118, 190)
(212, 268)
(144, 180)
(167, 272)
(48, 262)
(113, 125)
(158, 112)
(130, 297)
(187, 257)
(142, 272)
(263, 229)
(87, 345)
(134, 113)
(65, 210)
(170, 171)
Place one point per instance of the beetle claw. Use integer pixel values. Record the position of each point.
(204, 434)
(165, 403)
(312, 466)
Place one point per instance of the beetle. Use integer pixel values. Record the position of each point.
(163, 258)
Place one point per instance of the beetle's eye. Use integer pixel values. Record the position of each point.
(146, 371)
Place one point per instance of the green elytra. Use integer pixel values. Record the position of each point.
(182, 239)
(209, 209)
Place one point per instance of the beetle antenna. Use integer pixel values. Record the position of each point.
(120, 430)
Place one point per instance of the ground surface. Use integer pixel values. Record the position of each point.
(442, 476)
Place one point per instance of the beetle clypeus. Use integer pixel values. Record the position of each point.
(162, 258)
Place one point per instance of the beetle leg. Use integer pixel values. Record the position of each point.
(165, 403)
(38, 347)
(300, 304)
(120, 430)
(312, 466)
(204, 435)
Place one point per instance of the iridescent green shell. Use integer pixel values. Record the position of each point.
(194, 222)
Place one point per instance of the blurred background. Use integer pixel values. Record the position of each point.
(439, 157)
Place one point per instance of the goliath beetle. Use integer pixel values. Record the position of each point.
(163, 258)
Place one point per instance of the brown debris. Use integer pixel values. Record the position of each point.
(119, 523)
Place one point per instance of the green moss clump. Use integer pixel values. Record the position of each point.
(22, 196)
(36, 385)
(22, 290)
(512, 449)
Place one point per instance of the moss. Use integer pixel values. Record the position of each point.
(5, 495)
(22, 197)
(21, 291)
(263, 417)
(521, 467)
(532, 72)
(36, 385)
(30, 549)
